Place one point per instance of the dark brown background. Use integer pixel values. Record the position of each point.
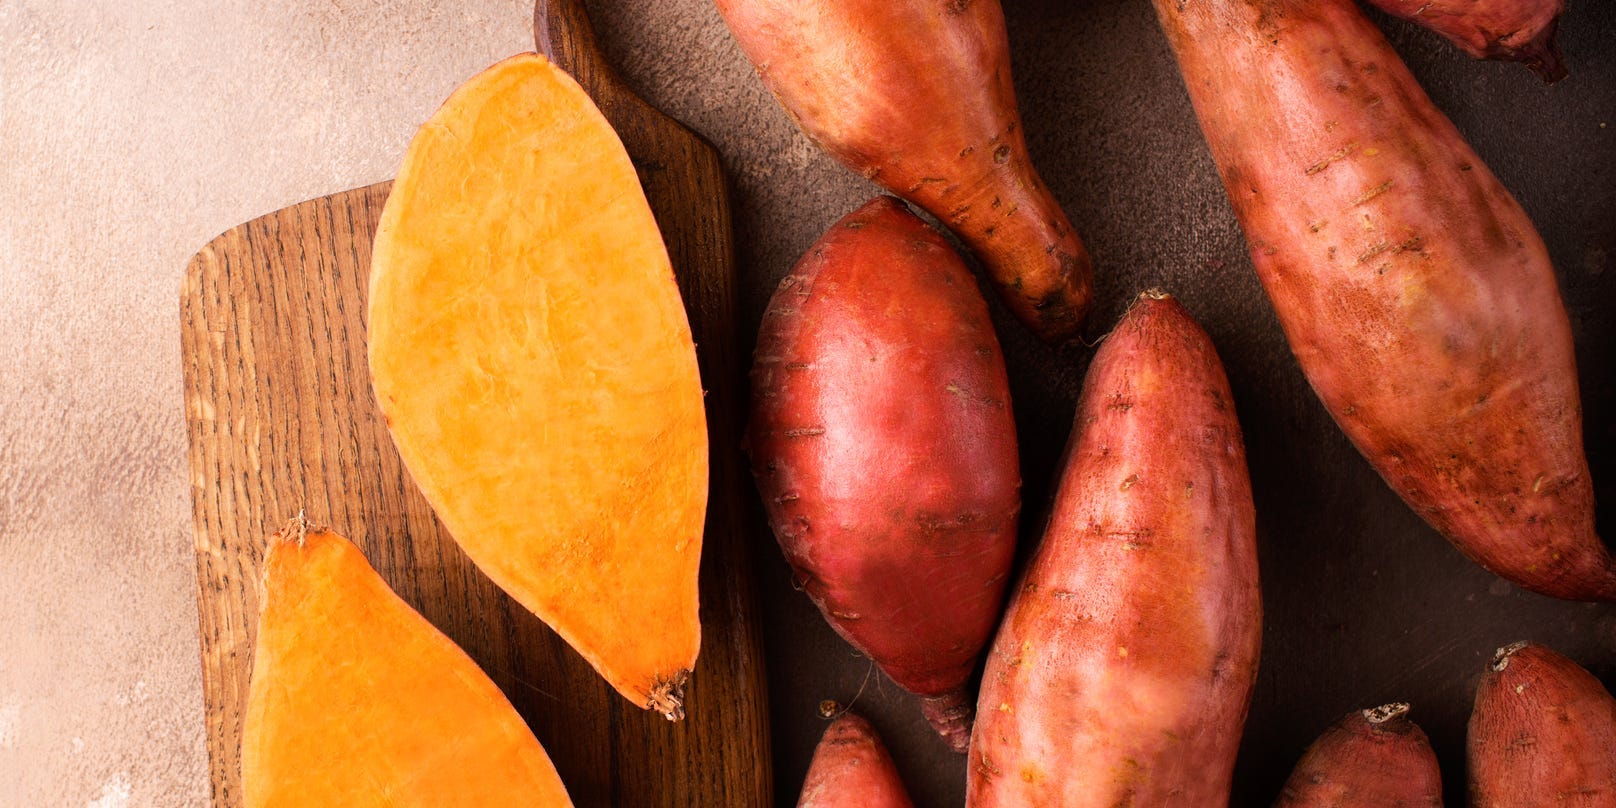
(1365, 604)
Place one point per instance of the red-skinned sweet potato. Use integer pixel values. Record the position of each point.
(1507, 30)
(1542, 733)
(1123, 669)
(884, 447)
(916, 96)
(1416, 294)
(1371, 759)
(851, 769)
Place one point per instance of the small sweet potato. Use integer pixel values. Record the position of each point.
(1371, 759)
(1542, 734)
(1123, 669)
(1507, 30)
(884, 447)
(851, 769)
(1416, 294)
(916, 96)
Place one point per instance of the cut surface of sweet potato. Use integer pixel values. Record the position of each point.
(357, 700)
(530, 351)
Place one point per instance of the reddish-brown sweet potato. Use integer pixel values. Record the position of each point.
(1122, 671)
(1415, 293)
(1370, 759)
(851, 769)
(916, 95)
(1543, 733)
(883, 444)
(1507, 30)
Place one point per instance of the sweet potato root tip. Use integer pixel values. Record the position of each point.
(354, 697)
(883, 444)
(951, 715)
(531, 354)
(1386, 712)
(1506, 30)
(668, 697)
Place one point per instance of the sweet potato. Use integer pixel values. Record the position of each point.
(884, 447)
(1542, 733)
(1371, 759)
(1507, 30)
(916, 96)
(851, 769)
(1414, 291)
(530, 352)
(357, 700)
(1123, 669)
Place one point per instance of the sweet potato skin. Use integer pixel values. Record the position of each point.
(851, 769)
(1414, 291)
(1507, 30)
(1374, 758)
(916, 96)
(1122, 671)
(1542, 733)
(884, 447)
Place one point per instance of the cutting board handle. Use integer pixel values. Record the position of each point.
(563, 33)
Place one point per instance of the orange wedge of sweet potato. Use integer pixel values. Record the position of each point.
(357, 700)
(530, 352)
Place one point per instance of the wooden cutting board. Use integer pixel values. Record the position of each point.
(281, 418)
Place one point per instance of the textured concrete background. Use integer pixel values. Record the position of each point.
(132, 132)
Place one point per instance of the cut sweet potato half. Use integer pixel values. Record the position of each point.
(357, 700)
(530, 352)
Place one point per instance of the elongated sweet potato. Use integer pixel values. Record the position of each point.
(1123, 669)
(531, 355)
(1542, 734)
(357, 700)
(884, 446)
(916, 95)
(1507, 30)
(1415, 293)
(851, 769)
(1371, 759)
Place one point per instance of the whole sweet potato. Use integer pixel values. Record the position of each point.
(851, 769)
(884, 446)
(1373, 758)
(1542, 733)
(1414, 291)
(916, 96)
(1507, 30)
(1123, 669)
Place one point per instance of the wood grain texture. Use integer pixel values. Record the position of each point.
(281, 418)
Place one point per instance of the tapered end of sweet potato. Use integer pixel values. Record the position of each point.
(951, 715)
(668, 697)
(1541, 54)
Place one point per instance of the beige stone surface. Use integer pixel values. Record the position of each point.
(131, 133)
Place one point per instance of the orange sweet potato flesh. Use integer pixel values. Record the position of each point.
(1542, 734)
(1374, 758)
(1123, 669)
(851, 769)
(1507, 30)
(884, 446)
(916, 96)
(530, 352)
(357, 700)
(1414, 291)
